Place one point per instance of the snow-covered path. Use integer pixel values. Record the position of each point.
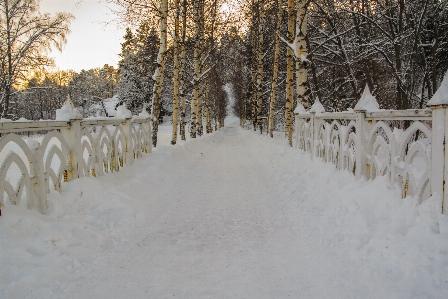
(215, 229)
(231, 215)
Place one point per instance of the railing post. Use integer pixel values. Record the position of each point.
(37, 170)
(73, 137)
(312, 133)
(149, 141)
(127, 129)
(360, 147)
(296, 125)
(439, 156)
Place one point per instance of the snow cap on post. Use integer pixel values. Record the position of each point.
(123, 112)
(144, 113)
(441, 95)
(317, 107)
(300, 109)
(367, 102)
(68, 111)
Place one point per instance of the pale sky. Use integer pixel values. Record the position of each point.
(91, 42)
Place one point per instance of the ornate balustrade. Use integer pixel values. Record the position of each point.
(69, 149)
(408, 147)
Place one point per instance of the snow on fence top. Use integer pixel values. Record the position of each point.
(406, 146)
(72, 147)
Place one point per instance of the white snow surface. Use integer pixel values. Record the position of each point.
(441, 95)
(230, 215)
(367, 101)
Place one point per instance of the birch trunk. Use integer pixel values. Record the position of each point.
(208, 126)
(260, 63)
(182, 70)
(289, 70)
(197, 69)
(253, 68)
(176, 73)
(200, 128)
(275, 70)
(301, 61)
(158, 74)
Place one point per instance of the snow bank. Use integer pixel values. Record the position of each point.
(441, 95)
(367, 102)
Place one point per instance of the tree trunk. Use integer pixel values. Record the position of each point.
(289, 69)
(197, 69)
(176, 73)
(158, 74)
(260, 63)
(200, 128)
(208, 126)
(301, 60)
(275, 70)
(182, 70)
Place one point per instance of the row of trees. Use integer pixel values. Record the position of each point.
(398, 48)
(44, 92)
(185, 73)
(278, 54)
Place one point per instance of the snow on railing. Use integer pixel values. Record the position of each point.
(71, 148)
(407, 146)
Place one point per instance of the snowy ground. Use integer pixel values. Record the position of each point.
(230, 215)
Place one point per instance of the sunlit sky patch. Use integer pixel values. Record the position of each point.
(93, 40)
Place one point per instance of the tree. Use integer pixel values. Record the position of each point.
(26, 36)
(159, 72)
(136, 67)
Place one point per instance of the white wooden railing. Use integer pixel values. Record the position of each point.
(69, 149)
(406, 146)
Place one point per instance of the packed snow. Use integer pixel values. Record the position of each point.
(234, 214)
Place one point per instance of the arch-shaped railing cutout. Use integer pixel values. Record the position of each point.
(349, 150)
(120, 147)
(104, 150)
(68, 150)
(416, 171)
(15, 194)
(16, 139)
(414, 128)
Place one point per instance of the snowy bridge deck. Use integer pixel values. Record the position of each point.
(231, 215)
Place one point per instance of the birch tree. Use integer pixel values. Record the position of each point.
(176, 72)
(290, 69)
(301, 57)
(182, 70)
(259, 77)
(159, 72)
(197, 70)
(275, 69)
